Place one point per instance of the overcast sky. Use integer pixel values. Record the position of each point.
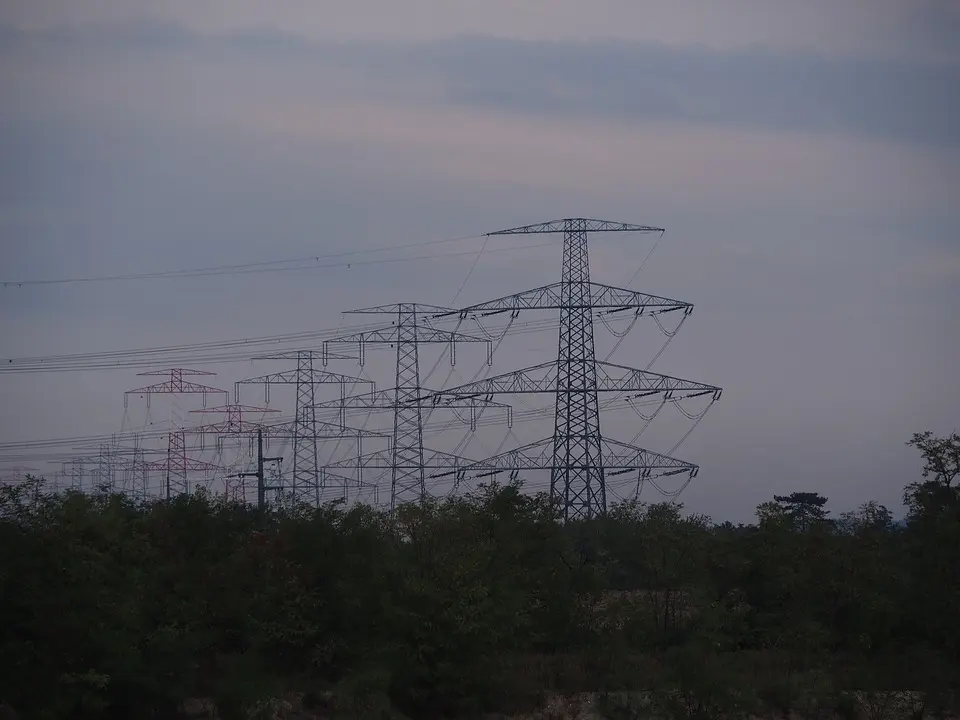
(803, 157)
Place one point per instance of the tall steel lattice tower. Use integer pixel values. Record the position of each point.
(177, 465)
(577, 466)
(580, 455)
(408, 419)
(306, 461)
(305, 484)
(407, 463)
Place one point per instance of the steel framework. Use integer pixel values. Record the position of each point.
(176, 385)
(407, 454)
(579, 453)
(177, 464)
(306, 466)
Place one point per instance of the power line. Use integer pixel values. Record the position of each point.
(645, 258)
(240, 350)
(228, 269)
(472, 268)
(270, 266)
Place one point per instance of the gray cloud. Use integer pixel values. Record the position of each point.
(633, 82)
(757, 89)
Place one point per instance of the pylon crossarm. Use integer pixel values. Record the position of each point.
(335, 431)
(615, 456)
(318, 377)
(578, 224)
(419, 308)
(387, 400)
(300, 354)
(551, 297)
(389, 335)
(192, 465)
(543, 379)
(385, 460)
(176, 388)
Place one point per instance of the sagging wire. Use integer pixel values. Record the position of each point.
(609, 327)
(647, 420)
(670, 336)
(620, 338)
(693, 427)
(670, 333)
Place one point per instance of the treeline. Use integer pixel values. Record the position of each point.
(478, 604)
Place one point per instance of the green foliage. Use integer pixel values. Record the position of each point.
(803, 509)
(471, 605)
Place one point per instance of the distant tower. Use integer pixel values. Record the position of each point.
(177, 463)
(406, 334)
(306, 486)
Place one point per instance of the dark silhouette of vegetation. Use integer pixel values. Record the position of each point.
(114, 609)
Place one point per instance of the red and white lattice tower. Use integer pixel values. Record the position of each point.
(177, 464)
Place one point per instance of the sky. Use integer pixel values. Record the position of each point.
(804, 159)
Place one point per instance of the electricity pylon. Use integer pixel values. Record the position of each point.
(306, 466)
(406, 457)
(580, 455)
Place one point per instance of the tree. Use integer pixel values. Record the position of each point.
(936, 493)
(805, 509)
(772, 514)
(869, 517)
(933, 539)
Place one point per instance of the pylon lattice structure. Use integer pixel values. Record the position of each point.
(135, 477)
(406, 459)
(233, 425)
(73, 472)
(177, 464)
(17, 474)
(306, 485)
(176, 385)
(110, 459)
(580, 455)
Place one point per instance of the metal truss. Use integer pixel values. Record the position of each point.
(580, 224)
(177, 464)
(582, 500)
(579, 456)
(406, 334)
(598, 297)
(545, 379)
(387, 400)
(306, 466)
(434, 464)
(176, 385)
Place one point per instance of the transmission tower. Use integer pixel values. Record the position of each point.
(16, 474)
(233, 424)
(73, 473)
(135, 473)
(406, 461)
(236, 427)
(579, 455)
(177, 464)
(176, 385)
(306, 465)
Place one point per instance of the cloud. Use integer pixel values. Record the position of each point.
(748, 89)
(879, 28)
(630, 82)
